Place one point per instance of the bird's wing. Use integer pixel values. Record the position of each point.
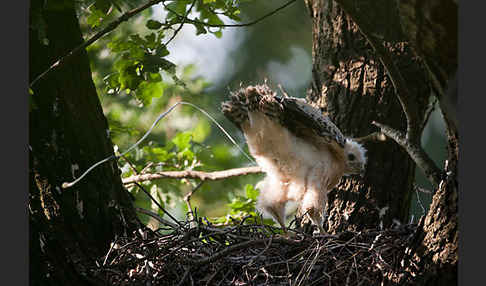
(295, 114)
(305, 120)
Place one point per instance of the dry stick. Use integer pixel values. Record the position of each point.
(156, 216)
(187, 199)
(410, 141)
(109, 251)
(260, 254)
(239, 246)
(186, 273)
(157, 203)
(191, 174)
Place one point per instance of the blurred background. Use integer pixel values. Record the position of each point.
(277, 49)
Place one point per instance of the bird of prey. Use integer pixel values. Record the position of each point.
(303, 154)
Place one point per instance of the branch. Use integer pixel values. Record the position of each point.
(112, 26)
(415, 151)
(375, 136)
(182, 23)
(190, 174)
(401, 89)
(157, 203)
(156, 216)
(231, 25)
(410, 140)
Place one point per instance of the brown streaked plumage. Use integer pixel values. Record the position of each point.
(302, 152)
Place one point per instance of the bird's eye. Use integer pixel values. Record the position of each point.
(351, 157)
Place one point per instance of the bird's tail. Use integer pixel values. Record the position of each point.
(236, 109)
(250, 99)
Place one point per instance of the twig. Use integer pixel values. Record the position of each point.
(113, 25)
(428, 112)
(410, 141)
(156, 216)
(239, 246)
(184, 18)
(186, 273)
(157, 203)
(233, 25)
(415, 151)
(260, 254)
(109, 251)
(420, 201)
(375, 136)
(132, 166)
(191, 174)
(187, 199)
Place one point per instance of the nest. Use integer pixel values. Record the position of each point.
(254, 254)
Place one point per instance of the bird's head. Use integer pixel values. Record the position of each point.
(355, 158)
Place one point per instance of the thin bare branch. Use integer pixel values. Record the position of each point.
(428, 112)
(401, 89)
(375, 136)
(190, 174)
(112, 26)
(410, 140)
(157, 203)
(187, 199)
(127, 15)
(184, 18)
(415, 151)
(232, 25)
(156, 216)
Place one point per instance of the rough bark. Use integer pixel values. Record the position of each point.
(427, 29)
(351, 85)
(68, 132)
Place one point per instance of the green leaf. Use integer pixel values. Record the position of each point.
(182, 140)
(119, 46)
(95, 18)
(153, 25)
(111, 80)
(146, 91)
(251, 192)
(136, 39)
(218, 34)
(154, 77)
(137, 53)
(161, 51)
(150, 40)
(129, 78)
(178, 7)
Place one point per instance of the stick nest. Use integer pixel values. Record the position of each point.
(252, 254)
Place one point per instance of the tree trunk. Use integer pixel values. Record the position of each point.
(68, 132)
(351, 85)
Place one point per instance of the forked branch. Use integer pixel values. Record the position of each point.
(410, 141)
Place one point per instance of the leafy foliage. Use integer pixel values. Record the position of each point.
(242, 209)
(136, 82)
